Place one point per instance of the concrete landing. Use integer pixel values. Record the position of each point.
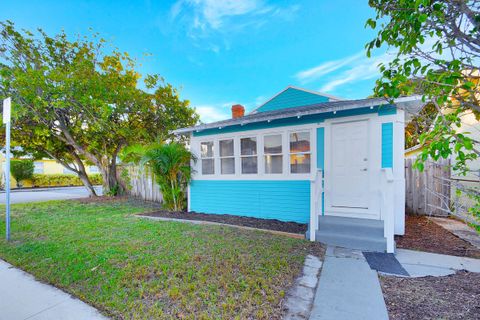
(22, 297)
(348, 288)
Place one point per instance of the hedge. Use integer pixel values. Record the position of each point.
(61, 180)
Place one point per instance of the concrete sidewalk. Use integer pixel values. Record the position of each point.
(22, 297)
(348, 288)
(422, 264)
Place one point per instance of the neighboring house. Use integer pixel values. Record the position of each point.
(44, 166)
(311, 158)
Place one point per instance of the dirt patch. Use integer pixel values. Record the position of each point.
(450, 297)
(425, 235)
(269, 224)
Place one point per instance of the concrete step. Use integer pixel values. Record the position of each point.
(366, 243)
(351, 226)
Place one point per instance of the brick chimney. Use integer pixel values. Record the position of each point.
(238, 111)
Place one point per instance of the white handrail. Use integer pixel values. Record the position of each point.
(387, 207)
(317, 184)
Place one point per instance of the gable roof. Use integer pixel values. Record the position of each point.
(410, 104)
(294, 97)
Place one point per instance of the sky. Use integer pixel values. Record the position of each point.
(224, 52)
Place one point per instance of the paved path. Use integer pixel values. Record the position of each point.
(22, 297)
(46, 194)
(348, 288)
(460, 229)
(421, 264)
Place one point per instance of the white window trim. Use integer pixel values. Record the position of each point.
(259, 134)
(282, 135)
(257, 155)
(215, 169)
(300, 153)
(220, 157)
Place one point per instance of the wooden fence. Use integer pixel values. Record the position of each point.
(142, 184)
(428, 192)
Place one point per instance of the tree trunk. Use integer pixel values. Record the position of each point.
(111, 185)
(87, 184)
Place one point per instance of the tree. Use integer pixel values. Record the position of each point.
(437, 44)
(170, 163)
(21, 170)
(75, 102)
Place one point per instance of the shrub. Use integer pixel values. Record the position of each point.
(61, 180)
(21, 170)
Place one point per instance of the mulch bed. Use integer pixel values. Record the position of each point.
(425, 235)
(268, 224)
(450, 297)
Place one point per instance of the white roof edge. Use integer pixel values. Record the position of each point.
(296, 88)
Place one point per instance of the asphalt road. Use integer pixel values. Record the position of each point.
(36, 195)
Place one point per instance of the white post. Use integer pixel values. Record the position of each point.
(6, 120)
(388, 213)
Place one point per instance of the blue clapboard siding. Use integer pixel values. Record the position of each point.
(286, 200)
(290, 98)
(387, 145)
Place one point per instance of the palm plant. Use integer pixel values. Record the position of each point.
(170, 163)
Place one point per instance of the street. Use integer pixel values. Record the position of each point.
(45, 194)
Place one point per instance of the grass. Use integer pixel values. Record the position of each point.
(132, 268)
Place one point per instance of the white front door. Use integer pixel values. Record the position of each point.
(349, 165)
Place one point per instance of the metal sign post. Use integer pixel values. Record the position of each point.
(6, 119)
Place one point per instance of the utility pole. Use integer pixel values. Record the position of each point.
(6, 119)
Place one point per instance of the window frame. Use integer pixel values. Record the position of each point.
(207, 158)
(282, 152)
(233, 156)
(290, 153)
(256, 155)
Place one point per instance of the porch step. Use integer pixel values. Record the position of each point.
(361, 234)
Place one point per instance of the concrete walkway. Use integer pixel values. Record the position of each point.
(22, 297)
(421, 264)
(460, 229)
(348, 288)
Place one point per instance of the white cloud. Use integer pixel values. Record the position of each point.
(214, 112)
(362, 69)
(315, 73)
(204, 17)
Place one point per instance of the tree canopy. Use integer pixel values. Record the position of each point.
(81, 100)
(437, 46)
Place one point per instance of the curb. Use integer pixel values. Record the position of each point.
(282, 233)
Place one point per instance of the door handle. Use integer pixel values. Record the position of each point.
(364, 169)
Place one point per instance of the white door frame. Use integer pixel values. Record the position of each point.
(374, 163)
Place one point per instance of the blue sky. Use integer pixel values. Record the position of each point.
(219, 53)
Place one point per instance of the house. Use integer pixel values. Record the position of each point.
(44, 166)
(311, 158)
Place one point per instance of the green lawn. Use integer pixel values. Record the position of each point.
(134, 268)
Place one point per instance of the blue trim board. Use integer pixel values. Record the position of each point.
(387, 145)
(285, 200)
(321, 148)
(294, 121)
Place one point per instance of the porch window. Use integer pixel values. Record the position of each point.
(248, 155)
(207, 157)
(227, 159)
(300, 152)
(272, 148)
